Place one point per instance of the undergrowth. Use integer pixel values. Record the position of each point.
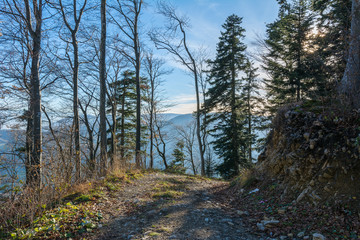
(69, 215)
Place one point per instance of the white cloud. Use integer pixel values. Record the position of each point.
(183, 99)
(183, 108)
(182, 104)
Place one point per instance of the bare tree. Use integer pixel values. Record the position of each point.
(154, 70)
(17, 58)
(174, 41)
(350, 84)
(116, 66)
(129, 11)
(102, 67)
(188, 134)
(32, 17)
(85, 106)
(74, 64)
(161, 138)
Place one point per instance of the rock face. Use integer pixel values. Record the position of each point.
(313, 153)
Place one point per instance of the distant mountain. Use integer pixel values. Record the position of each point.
(169, 116)
(182, 120)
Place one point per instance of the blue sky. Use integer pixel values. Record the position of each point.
(206, 18)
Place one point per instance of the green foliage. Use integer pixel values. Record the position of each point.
(168, 194)
(63, 222)
(178, 164)
(289, 61)
(124, 100)
(334, 21)
(83, 198)
(224, 97)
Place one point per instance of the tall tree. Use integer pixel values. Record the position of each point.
(102, 67)
(154, 70)
(125, 123)
(223, 96)
(73, 28)
(31, 14)
(350, 84)
(17, 57)
(128, 24)
(174, 40)
(252, 102)
(287, 59)
(116, 66)
(332, 37)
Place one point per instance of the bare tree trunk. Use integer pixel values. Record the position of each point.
(350, 84)
(35, 96)
(186, 59)
(28, 147)
(138, 92)
(151, 126)
(76, 109)
(92, 158)
(130, 11)
(103, 139)
(160, 141)
(75, 71)
(198, 113)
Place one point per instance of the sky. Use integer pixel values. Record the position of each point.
(206, 18)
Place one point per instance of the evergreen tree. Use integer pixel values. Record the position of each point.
(252, 103)
(126, 120)
(224, 98)
(333, 37)
(288, 61)
(178, 164)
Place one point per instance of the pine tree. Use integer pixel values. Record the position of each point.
(288, 61)
(333, 38)
(178, 164)
(252, 102)
(126, 120)
(224, 98)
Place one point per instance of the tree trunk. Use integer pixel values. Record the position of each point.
(151, 123)
(28, 146)
(235, 140)
(122, 128)
(138, 95)
(35, 95)
(198, 113)
(113, 136)
(103, 139)
(350, 84)
(192, 161)
(36, 155)
(249, 124)
(76, 108)
(92, 158)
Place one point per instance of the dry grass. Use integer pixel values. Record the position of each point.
(246, 178)
(21, 209)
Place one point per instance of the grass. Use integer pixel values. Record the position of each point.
(169, 194)
(154, 234)
(245, 179)
(72, 215)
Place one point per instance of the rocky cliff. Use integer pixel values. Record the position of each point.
(313, 152)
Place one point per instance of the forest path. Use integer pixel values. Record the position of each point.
(169, 206)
